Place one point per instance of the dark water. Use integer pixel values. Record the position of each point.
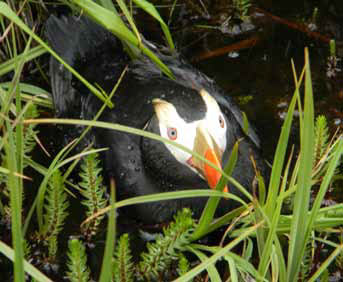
(260, 79)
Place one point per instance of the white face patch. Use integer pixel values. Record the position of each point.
(174, 128)
(215, 121)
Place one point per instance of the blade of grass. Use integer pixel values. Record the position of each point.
(334, 162)
(212, 203)
(140, 132)
(14, 161)
(129, 18)
(39, 99)
(89, 127)
(302, 195)
(9, 65)
(108, 4)
(151, 10)
(279, 156)
(274, 265)
(165, 196)
(211, 269)
(233, 269)
(113, 23)
(211, 260)
(6, 11)
(106, 267)
(240, 261)
(272, 236)
(29, 268)
(15, 203)
(225, 219)
(326, 263)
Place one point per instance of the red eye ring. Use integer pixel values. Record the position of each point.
(221, 121)
(172, 133)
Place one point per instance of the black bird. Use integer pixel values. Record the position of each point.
(191, 110)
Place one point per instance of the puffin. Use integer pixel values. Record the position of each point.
(190, 109)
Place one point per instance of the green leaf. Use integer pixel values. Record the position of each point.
(211, 260)
(302, 196)
(211, 269)
(29, 268)
(212, 203)
(6, 11)
(31, 54)
(151, 10)
(106, 267)
(113, 23)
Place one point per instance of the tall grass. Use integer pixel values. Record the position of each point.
(260, 222)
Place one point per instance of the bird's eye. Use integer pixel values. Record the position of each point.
(221, 121)
(172, 133)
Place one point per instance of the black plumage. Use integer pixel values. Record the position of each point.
(140, 165)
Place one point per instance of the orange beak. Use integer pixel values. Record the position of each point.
(211, 174)
(205, 146)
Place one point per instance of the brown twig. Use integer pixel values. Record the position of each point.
(297, 26)
(247, 43)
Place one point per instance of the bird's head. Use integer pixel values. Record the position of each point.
(198, 125)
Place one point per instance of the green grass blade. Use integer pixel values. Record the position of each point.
(32, 93)
(212, 203)
(15, 203)
(14, 160)
(225, 219)
(176, 195)
(334, 162)
(6, 11)
(29, 89)
(274, 265)
(211, 269)
(302, 195)
(166, 196)
(211, 260)
(29, 268)
(279, 158)
(106, 268)
(131, 130)
(245, 265)
(10, 65)
(233, 269)
(129, 18)
(280, 152)
(113, 23)
(326, 263)
(272, 236)
(151, 10)
(108, 4)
